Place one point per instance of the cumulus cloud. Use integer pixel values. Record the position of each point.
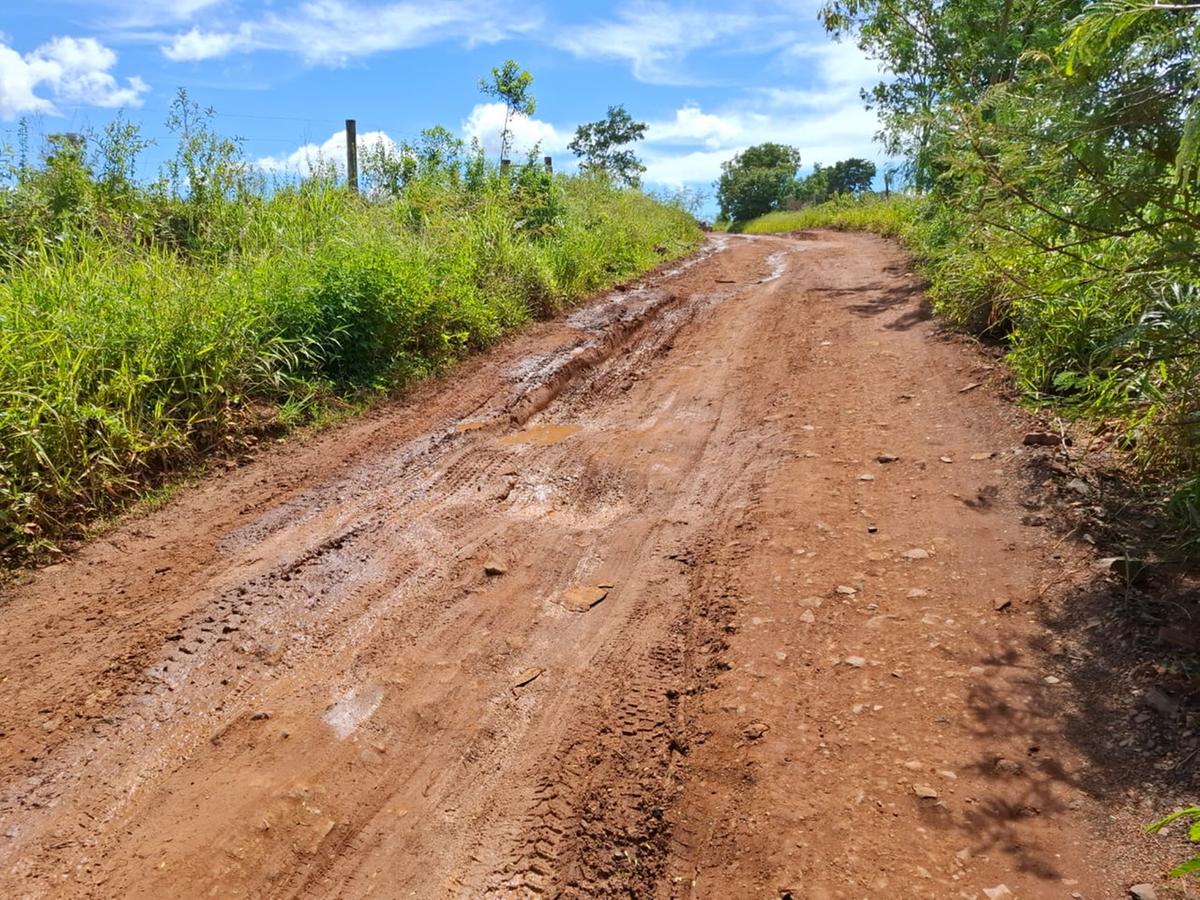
(312, 158)
(333, 32)
(825, 118)
(64, 70)
(824, 136)
(692, 125)
(487, 120)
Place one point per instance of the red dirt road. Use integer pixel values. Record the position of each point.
(727, 651)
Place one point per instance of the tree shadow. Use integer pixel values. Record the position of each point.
(1105, 698)
(882, 298)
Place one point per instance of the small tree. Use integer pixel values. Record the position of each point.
(757, 180)
(603, 146)
(510, 84)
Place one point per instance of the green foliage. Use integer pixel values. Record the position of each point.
(1192, 814)
(892, 218)
(603, 146)
(849, 176)
(510, 84)
(142, 326)
(756, 181)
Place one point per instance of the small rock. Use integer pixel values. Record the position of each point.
(527, 676)
(1041, 439)
(917, 593)
(807, 617)
(846, 589)
(887, 458)
(866, 476)
(756, 730)
(1143, 892)
(981, 456)
(969, 387)
(1033, 521)
(1079, 486)
(1007, 766)
(1161, 702)
(494, 567)
(1051, 679)
(946, 459)
(856, 661)
(1001, 604)
(1130, 569)
(260, 716)
(999, 892)
(925, 792)
(582, 597)
(916, 553)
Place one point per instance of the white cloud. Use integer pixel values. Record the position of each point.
(196, 45)
(75, 71)
(487, 119)
(837, 63)
(692, 125)
(824, 119)
(655, 37)
(333, 32)
(312, 158)
(824, 136)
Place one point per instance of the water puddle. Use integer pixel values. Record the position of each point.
(356, 706)
(541, 435)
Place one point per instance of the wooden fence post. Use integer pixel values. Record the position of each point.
(352, 155)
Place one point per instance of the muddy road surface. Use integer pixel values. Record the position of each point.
(716, 587)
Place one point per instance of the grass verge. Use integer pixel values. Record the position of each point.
(142, 328)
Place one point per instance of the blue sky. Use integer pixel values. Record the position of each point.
(710, 78)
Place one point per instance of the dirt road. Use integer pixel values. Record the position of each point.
(716, 588)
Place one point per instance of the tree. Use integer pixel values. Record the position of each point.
(603, 146)
(510, 85)
(941, 55)
(851, 176)
(757, 180)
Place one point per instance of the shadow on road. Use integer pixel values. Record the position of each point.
(1114, 679)
(885, 299)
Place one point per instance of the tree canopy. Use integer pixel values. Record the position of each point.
(603, 146)
(757, 180)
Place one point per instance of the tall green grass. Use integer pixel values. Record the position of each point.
(1095, 334)
(144, 326)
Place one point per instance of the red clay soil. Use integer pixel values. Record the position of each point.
(630, 605)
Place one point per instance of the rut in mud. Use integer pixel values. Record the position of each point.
(629, 605)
